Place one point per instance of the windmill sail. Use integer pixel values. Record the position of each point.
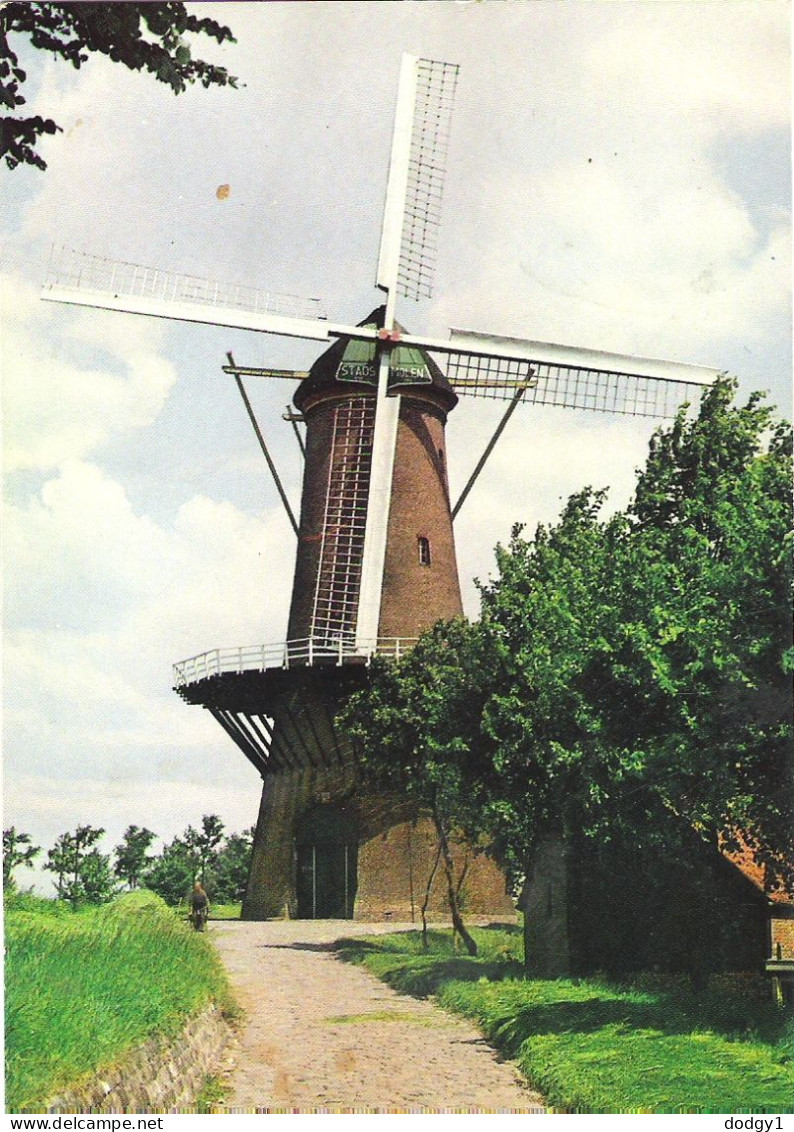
(412, 211)
(83, 279)
(493, 366)
(407, 255)
(572, 387)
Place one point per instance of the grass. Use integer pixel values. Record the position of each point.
(84, 987)
(217, 911)
(225, 911)
(213, 1096)
(595, 1047)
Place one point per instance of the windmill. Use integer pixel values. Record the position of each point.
(375, 562)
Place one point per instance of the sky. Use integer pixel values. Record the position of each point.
(618, 177)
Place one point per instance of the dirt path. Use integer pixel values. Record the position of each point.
(323, 1034)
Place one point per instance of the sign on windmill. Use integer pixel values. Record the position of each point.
(375, 562)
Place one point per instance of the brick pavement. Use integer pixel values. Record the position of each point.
(321, 1034)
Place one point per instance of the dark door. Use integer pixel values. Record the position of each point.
(327, 857)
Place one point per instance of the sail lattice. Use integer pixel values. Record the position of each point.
(572, 387)
(82, 272)
(436, 84)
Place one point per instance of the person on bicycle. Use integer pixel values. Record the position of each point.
(200, 906)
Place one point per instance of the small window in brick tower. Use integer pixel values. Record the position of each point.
(424, 550)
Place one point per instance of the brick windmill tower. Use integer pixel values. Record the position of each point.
(325, 848)
(375, 562)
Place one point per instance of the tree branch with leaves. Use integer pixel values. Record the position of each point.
(151, 37)
(18, 849)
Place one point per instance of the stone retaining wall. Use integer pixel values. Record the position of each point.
(163, 1075)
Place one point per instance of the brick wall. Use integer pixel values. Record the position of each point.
(396, 865)
(416, 595)
(162, 1075)
(396, 853)
(782, 937)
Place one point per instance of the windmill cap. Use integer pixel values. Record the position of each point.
(351, 363)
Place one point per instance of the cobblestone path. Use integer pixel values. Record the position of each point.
(321, 1034)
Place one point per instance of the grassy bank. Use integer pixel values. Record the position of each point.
(591, 1046)
(82, 988)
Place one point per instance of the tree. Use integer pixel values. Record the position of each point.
(549, 615)
(97, 883)
(83, 873)
(647, 655)
(228, 873)
(203, 843)
(153, 37)
(18, 849)
(629, 680)
(221, 865)
(171, 875)
(713, 508)
(131, 855)
(415, 731)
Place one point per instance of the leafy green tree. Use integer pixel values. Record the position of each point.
(629, 680)
(97, 882)
(549, 615)
(646, 656)
(153, 37)
(18, 849)
(83, 874)
(132, 857)
(172, 873)
(713, 511)
(201, 854)
(227, 875)
(204, 843)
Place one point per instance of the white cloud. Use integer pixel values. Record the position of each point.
(661, 60)
(60, 401)
(229, 579)
(101, 598)
(109, 188)
(76, 552)
(648, 252)
(596, 200)
(102, 601)
(106, 803)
